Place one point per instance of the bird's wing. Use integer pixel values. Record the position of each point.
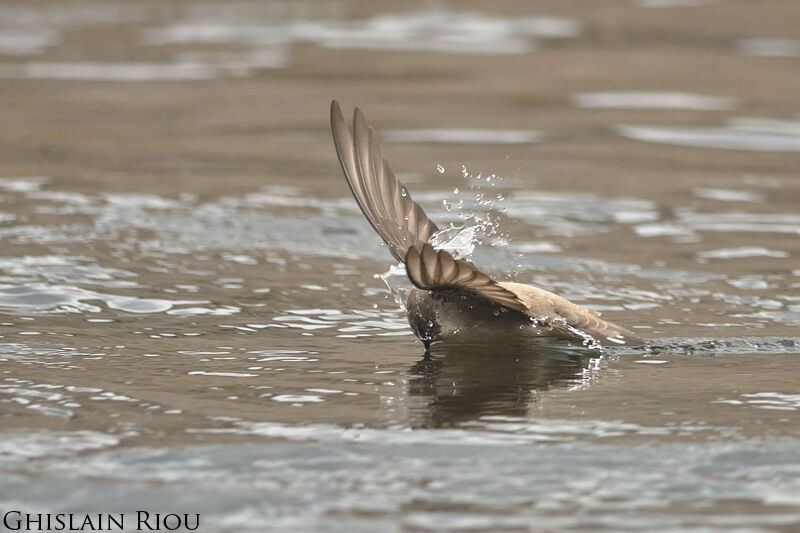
(437, 270)
(541, 303)
(590, 322)
(383, 199)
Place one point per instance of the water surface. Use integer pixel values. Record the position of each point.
(192, 315)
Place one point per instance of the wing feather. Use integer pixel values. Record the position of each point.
(383, 199)
(433, 270)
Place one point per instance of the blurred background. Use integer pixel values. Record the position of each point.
(93, 92)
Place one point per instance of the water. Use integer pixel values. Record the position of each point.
(190, 317)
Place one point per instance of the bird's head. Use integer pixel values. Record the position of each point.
(423, 316)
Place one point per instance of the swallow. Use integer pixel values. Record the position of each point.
(451, 296)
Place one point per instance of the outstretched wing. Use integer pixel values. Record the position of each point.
(437, 270)
(383, 199)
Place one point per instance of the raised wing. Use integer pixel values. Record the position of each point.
(383, 199)
(437, 270)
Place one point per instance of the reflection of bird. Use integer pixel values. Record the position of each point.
(466, 382)
(451, 295)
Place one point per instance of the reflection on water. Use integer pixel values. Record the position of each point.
(464, 382)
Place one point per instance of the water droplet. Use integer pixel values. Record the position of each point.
(455, 191)
(440, 169)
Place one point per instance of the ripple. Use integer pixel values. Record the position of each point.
(688, 222)
(654, 100)
(488, 430)
(215, 227)
(15, 42)
(542, 247)
(223, 310)
(30, 444)
(108, 71)
(43, 298)
(742, 252)
(23, 184)
(66, 269)
(729, 195)
(759, 135)
(297, 398)
(440, 31)
(356, 323)
(770, 47)
(573, 214)
(54, 399)
(221, 374)
(140, 201)
(719, 346)
(773, 400)
(284, 356)
(372, 485)
(790, 317)
(766, 400)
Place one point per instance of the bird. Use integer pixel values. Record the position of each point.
(450, 296)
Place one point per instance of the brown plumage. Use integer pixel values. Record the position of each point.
(385, 202)
(451, 295)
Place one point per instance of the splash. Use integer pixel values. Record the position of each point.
(480, 222)
(397, 282)
(460, 241)
(479, 212)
